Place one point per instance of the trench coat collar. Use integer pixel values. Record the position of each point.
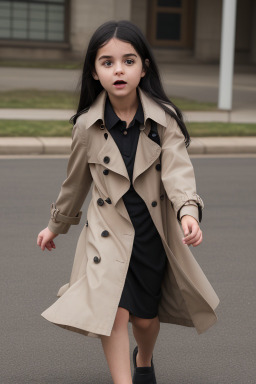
(150, 108)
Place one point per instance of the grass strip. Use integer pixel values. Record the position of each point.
(31, 98)
(221, 129)
(41, 64)
(31, 128)
(193, 105)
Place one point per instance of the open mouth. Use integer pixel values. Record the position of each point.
(118, 82)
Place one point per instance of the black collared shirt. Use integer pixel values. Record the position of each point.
(126, 138)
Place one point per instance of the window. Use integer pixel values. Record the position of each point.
(171, 23)
(33, 20)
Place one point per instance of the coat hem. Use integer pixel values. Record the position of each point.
(91, 332)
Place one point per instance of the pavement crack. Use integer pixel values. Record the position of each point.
(42, 144)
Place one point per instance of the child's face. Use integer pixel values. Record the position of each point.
(119, 68)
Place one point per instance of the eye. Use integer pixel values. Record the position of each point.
(129, 61)
(107, 63)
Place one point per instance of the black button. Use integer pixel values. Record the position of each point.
(106, 159)
(154, 203)
(105, 234)
(158, 167)
(96, 259)
(106, 171)
(106, 135)
(86, 223)
(100, 201)
(102, 126)
(108, 201)
(162, 197)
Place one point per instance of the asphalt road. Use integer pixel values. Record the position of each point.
(36, 351)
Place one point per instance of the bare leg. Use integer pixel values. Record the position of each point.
(117, 349)
(145, 332)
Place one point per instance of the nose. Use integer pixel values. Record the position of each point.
(119, 68)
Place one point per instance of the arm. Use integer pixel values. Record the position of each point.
(66, 210)
(179, 182)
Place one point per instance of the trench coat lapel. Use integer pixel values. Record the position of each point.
(120, 181)
(116, 163)
(147, 152)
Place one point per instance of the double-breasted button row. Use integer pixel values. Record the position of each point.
(154, 203)
(106, 172)
(106, 159)
(100, 201)
(158, 167)
(106, 135)
(97, 259)
(105, 233)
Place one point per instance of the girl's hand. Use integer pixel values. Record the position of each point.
(45, 239)
(192, 231)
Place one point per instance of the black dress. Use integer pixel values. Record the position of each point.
(142, 289)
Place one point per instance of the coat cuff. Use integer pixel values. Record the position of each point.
(58, 228)
(186, 200)
(60, 223)
(191, 210)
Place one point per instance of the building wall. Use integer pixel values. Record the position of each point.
(139, 10)
(244, 23)
(253, 36)
(208, 30)
(86, 16)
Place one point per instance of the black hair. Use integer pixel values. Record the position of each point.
(150, 83)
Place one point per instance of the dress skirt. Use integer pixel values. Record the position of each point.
(142, 288)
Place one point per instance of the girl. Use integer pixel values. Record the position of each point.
(132, 261)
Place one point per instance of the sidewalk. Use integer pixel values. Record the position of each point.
(235, 116)
(61, 145)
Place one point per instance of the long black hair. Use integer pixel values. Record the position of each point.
(150, 83)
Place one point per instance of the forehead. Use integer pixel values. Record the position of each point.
(115, 47)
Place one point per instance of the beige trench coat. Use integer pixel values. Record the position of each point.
(89, 302)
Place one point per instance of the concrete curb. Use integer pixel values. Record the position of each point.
(222, 145)
(61, 145)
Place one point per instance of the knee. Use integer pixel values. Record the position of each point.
(143, 324)
(121, 319)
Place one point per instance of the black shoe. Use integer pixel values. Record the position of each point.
(143, 375)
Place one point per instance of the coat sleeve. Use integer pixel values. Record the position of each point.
(178, 173)
(66, 210)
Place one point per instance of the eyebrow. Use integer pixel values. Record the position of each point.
(111, 57)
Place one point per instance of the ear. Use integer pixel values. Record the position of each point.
(95, 76)
(144, 69)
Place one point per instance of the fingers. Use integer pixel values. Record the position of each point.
(39, 240)
(199, 241)
(185, 228)
(195, 236)
(45, 243)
